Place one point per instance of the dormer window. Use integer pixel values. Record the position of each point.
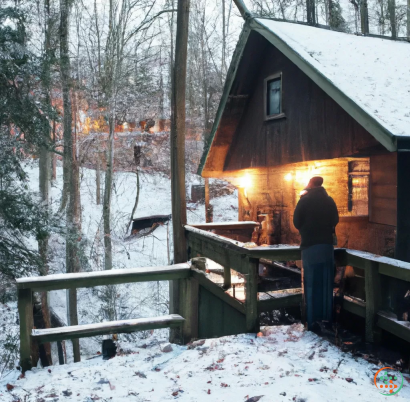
(273, 97)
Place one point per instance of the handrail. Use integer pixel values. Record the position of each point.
(100, 278)
(226, 225)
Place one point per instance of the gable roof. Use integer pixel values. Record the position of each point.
(368, 77)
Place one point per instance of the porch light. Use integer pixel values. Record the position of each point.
(288, 177)
(245, 182)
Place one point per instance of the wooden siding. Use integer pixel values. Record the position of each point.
(315, 126)
(275, 192)
(383, 189)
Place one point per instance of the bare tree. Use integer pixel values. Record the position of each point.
(71, 172)
(178, 150)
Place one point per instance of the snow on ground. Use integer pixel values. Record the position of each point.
(288, 365)
(372, 72)
(137, 299)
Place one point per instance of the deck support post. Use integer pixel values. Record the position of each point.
(251, 295)
(373, 300)
(189, 292)
(227, 273)
(208, 207)
(227, 277)
(25, 308)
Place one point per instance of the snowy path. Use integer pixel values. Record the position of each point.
(288, 365)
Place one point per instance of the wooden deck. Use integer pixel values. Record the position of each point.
(228, 304)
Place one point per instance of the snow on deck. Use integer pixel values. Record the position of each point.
(290, 364)
(372, 72)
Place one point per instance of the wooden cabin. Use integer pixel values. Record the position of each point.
(301, 101)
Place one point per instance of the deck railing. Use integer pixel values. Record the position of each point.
(29, 337)
(377, 272)
(230, 254)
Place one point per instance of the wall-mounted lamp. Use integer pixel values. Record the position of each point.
(245, 182)
(288, 176)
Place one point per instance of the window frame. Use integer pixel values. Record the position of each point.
(265, 97)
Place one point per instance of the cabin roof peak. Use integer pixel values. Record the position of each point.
(366, 76)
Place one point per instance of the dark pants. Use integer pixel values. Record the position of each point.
(318, 278)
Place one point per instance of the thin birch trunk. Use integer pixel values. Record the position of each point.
(98, 174)
(108, 196)
(70, 171)
(136, 202)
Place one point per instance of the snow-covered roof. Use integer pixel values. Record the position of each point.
(373, 72)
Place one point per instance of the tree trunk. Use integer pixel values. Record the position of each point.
(108, 195)
(136, 202)
(178, 153)
(54, 156)
(392, 15)
(364, 17)
(408, 20)
(45, 173)
(311, 12)
(98, 174)
(223, 69)
(70, 171)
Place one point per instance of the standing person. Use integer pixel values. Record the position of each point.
(316, 217)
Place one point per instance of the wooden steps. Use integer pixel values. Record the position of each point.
(105, 328)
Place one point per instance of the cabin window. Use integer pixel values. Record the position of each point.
(358, 186)
(273, 97)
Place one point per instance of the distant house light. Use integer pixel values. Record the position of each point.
(273, 97)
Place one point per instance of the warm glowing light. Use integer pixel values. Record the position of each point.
(303, 177)
(245, 181)
(288, 177)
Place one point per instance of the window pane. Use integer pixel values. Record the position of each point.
(273, 95)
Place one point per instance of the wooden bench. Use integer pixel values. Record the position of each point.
(105, 328)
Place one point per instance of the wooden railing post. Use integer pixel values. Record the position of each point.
(227, 273)
(251, 295)
(25, 308)
(227, 277)
(373, 300)
(189, 308)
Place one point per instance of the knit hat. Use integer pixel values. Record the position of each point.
(316, 181)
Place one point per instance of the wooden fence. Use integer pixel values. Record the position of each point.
(211, 309)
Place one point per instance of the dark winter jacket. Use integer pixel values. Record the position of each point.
(316, 217)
